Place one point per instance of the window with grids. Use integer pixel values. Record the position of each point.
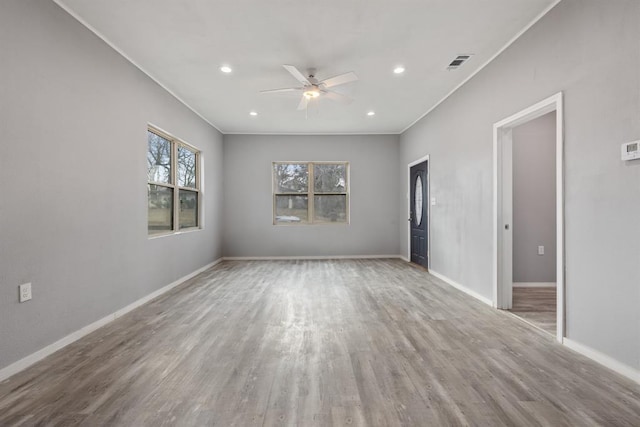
(310, 192)
(173, 186)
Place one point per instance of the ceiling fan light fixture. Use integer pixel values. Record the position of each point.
(311, 93)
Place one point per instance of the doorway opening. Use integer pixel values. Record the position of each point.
(533, 224)
(528, 215)
(419, 215)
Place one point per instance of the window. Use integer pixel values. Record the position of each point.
(173, 187)
(310, 192)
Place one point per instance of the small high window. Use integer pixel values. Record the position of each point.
(310, 192)
(173, 184)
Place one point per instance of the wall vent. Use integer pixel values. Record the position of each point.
(456, 63)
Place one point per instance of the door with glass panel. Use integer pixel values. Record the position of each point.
(418, 214)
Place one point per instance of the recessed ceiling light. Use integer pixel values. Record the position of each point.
(253, 113)
(371, 113)
(225, 69)
(398, 70)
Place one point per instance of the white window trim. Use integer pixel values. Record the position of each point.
(310, 194)
(175, 143)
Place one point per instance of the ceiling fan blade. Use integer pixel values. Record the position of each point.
(288, 89)
(339, 80)
(297, 74)
(303, 103)
(335, 96)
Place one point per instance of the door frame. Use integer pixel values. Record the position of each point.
(503, 207)
(428, 204)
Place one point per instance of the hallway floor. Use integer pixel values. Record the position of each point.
(537, 306)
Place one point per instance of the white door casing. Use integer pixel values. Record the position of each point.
(503, 205)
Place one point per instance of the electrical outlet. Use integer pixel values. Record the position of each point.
(25, 292)
(540, 250)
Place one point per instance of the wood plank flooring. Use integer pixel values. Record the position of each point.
(317, 343)
(537, 306)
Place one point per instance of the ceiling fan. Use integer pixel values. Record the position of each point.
(313, 88)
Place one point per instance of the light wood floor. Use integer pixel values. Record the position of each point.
(537, 306)
(345, 342)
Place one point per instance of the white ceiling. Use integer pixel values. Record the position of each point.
(182, 44)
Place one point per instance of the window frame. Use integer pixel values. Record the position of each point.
(310, 193)
(173, 184)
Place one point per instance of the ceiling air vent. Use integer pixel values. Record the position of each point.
(456, 63)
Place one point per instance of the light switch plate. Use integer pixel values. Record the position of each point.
(25, 292)
(540, 250)
(433, 201)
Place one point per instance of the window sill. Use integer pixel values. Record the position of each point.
(174, 233)
(315, 224)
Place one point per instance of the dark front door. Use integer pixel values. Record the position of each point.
(418, 213)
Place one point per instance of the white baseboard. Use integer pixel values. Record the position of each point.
(29, 360)
(310, 257)
(534, 284)
(461, 287)
(603, 359)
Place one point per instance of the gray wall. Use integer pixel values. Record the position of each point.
(534, 200)
(73, 213)
(249, 230)
(589, 49)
